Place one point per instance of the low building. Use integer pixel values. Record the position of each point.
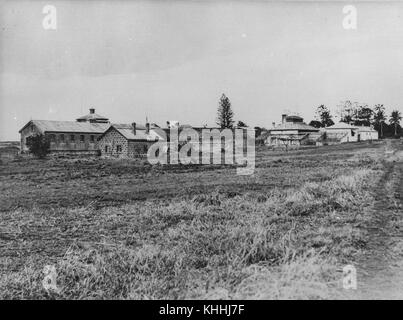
(128, 140)
(292, 132)
(78, 136)
(344, 132)
(367, 133)
(340, 133)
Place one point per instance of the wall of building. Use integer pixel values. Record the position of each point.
(368, 135)
(30, 130)
(73, 141)
(138, 149)
(111, 144)
(347, 135)
(81, 141)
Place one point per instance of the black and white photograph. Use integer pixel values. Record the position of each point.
(201, 154)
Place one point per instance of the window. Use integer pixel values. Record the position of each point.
(62, 137)
(72, 137)
(92, 138)
(81, 138)
(52, 138)
(106, 149)
(118, 148)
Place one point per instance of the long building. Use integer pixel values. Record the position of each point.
(68, 136)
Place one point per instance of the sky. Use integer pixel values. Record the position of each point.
(172, 60)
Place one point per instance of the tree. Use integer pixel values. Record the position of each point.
(347, 111)
(324, 116)
(241, 124)
(258, 131)
(225, 117)
(315, 124)
(363, 116)
(38, 145)
(379, 117)
(395, 118)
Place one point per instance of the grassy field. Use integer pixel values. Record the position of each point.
(128, 230)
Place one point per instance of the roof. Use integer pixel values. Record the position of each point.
(366, 129)
(126, 131)
(293, 117)
(342, 125)
(288, 137)
(293, 126)
(68, 126)
(92, 116)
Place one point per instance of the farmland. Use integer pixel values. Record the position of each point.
(127, 230)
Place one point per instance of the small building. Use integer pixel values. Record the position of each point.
(292, 132)
(343, 132)
(78, 136)
(367, 133)
(128, 140)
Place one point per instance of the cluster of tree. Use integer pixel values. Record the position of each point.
(324, 118)
(362, 115)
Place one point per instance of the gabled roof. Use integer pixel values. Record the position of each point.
(126, 131)
(68, 126)
(342, 125)
(366, 129)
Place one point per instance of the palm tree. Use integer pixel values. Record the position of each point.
(379, 116)
(395, 118)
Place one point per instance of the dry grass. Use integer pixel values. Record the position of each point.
(280, 241)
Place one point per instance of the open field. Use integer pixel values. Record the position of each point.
(125, 229)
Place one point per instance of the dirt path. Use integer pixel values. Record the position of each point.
(380, 270)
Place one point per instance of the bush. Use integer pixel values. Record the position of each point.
(39, 145)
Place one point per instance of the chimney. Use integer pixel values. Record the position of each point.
(168, 124)
(92, 110)
(283, 116)
(147, 128)
(134, 128)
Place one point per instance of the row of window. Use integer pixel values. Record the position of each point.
(62, 138)
(118, 148)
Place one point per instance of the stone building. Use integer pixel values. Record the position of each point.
(78, 136)
(128, 140)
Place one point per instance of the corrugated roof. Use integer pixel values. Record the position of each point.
(68, 126)
(342, 125)
(126, 131)
(293, 126)
(366, 129)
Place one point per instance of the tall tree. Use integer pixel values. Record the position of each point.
(225, 116)
(324, 116)
(395, 118)
(379, 117)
